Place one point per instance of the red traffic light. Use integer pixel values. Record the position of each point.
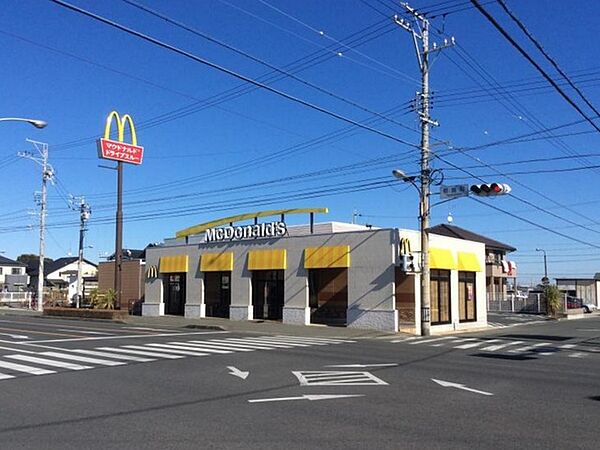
(490, 189)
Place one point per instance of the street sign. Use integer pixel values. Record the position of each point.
(454, 191)
(120, 151)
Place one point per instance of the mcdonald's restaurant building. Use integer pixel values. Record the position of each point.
(328, 273)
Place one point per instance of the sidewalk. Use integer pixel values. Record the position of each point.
(242, 326)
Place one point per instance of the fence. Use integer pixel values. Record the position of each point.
(16, 299)
(535, 303)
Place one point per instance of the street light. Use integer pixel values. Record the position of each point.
(545, 280)
(424, 226)
(35, 122)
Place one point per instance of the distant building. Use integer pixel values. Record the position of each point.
(61, 275)
(498, 269)
(587, 289)
(13, 276)
(132, 277)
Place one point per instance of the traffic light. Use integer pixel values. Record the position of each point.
(408, 263)
(490, 189)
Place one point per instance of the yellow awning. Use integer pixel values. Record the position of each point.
(216, 262)
(174, 264)
(267, 260)
(441, 258)
(327, 257)
(468, 262)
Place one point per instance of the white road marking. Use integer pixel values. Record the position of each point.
(252, 341)
(318, 339)
(26, 369)
(165, 350)
(459, 386)
(567, 346)
(152, 354)
(15, 336)
(311, 397)
(493, 348)
(475, 344)
(208, 349)
(238, 373)
(111, 355)
(363, 365)
(333, 378)
(130, 336)
(209, 344)
(237, 344)
(411, 338)
(150, 329)
(530, 347)
(102, 362)
(4, 376)
(48, 362)
(428, 341)
(172, 348)
(75, 330)
(279, 341)
(16, 350)
(576, 355)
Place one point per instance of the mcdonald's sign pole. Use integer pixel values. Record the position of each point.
(120, 152)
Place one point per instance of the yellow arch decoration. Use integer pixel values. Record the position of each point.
(121, 121)
(196, 229)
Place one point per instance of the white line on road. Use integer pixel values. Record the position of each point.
(530, 347)
(238, 344)
(4, 376)
(130, 336)
(238, 373)
(15, 336)
(152, 354)
(577, 355)
(208, 349)
(26, 369)
(311, 397)
(102, 362)
(475, 344)
(164, 350)
(74, 330)
(48, 362)
(111, 355)
(459, 386)
(364, 365)
(428, 341)
(210, 344)
(493, 348)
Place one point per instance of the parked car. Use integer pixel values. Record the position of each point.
(573, 303)
(589, 307)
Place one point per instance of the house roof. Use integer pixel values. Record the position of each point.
(57, 265)
(460, 233)
(9, 262)
(130, 253)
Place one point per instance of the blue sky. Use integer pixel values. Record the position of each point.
(215, 148)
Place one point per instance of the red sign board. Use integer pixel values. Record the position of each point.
(120, 151)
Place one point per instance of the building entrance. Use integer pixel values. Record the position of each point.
(174, 294)
(267, 294)
(217, 293)
(328, 296)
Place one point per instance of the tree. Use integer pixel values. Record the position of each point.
(32, 261)
(553, 299)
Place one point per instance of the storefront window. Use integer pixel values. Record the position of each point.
(467, 297)
(440, 297)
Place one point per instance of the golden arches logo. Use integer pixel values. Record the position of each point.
(405, 246)
(117, 150)
(121, 121)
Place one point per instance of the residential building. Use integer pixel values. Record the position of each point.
(587, 289)
(60, 275)
(13, 276)
(500, 272)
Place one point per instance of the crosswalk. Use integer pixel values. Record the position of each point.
(506, 346)
(51, 361)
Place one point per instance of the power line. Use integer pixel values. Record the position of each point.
(507, 36)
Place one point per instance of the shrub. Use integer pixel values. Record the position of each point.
(103, 299)
(553, 299)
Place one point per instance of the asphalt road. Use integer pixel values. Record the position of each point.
(73, 384)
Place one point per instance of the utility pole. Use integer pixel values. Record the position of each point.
(119, 235)
(47, 174)
(420, 32)
(84, 215)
